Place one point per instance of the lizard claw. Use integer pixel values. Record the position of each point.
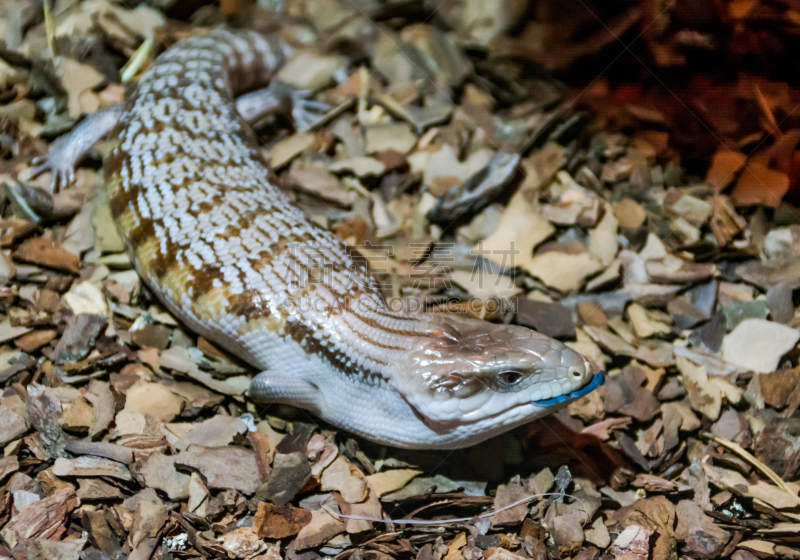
(60, 162)
(67, 151)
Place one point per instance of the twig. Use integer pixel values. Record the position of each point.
(49, 28)
(136, 61)
(747, 456)
(456, 520)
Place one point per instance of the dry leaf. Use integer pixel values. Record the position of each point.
(391, 480)
(758, 345)
(760, 185)
(725, 165)
(278, 522)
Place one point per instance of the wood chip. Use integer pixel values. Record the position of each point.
(42, 252)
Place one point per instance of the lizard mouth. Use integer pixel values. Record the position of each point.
(597, 379)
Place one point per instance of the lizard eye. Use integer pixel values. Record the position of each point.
(510, 378)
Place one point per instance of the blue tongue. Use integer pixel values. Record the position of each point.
(597, 379)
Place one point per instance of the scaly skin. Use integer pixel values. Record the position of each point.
(228, 253)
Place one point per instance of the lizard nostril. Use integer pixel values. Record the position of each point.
(576, 373)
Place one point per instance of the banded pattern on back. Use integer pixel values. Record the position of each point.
(222, 246)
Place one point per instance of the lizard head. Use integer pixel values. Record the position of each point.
(493, 377)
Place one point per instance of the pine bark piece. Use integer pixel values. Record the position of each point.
(43, 519)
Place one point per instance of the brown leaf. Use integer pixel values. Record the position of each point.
(218, 431)
(12, 229)
(102, 399)
(656, 513)
(90, 466)
(626, 395)
(566, 530)
(370, 507)
(78, 338)
(290, 472)
(454, 549)
(344, 477)
(602, 430)
(391, 480)
(703, 538)
(506, 495)
(33, 341)
(223, 467)
(633, 543)
(42, 519)
(322, 527)
(277, 522)
(497, 553)
(41, 251)
(314, 177)
(724, 166)
(242, 542)
(260, 443)
(149, 517)
(153, 399)
(12, 425)
(158, 471)
(703, 395)
(774, 384)
(760, 185)
(95, 489)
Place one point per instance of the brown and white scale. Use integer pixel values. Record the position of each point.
(231, 256)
